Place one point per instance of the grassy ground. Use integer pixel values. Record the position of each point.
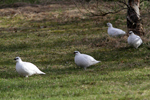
(47, 35)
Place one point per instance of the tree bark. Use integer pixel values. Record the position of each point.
(133, 17)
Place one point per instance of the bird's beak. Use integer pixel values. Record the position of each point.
(14, 58)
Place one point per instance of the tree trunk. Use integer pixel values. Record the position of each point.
(133, 17)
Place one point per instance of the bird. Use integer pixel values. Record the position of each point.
(84, 60)
(114, 32)
(134, 40)
(26, 68)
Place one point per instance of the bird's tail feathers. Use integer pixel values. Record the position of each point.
(41, 73)
(98, 61)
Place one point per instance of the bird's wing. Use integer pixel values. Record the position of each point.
(115, 31)
(119, 31)
(136, 38)
(89, 58)
(31, 67)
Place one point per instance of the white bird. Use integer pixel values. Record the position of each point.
(114, 31)
(26, 68)
(134, 40)
(84, 60)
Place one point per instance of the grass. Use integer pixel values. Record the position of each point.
(49, 38)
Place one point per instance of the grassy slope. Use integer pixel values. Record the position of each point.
(50, 42)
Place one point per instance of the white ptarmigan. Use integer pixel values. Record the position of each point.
(84, 60)
(134, 40)
(114, 31)
(26, 68)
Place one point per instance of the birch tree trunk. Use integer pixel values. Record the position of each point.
(133, 17)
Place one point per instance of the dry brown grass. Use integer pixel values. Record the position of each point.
(41, 11)
(65, 11)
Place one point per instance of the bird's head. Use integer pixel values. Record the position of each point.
(130, 32)
(109, 24)
(17, 59)
(76, 52)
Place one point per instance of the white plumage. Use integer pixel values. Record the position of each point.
(26, 68)
(134, 40)
(114, 31)
(84, 60)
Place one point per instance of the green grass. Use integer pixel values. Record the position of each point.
(49, 43)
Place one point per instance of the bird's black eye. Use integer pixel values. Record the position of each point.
(75, 52)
